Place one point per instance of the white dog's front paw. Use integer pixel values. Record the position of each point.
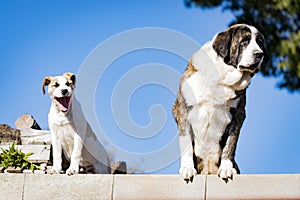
(72, 170)
(55, 170)
(187, 173)
(226, 170)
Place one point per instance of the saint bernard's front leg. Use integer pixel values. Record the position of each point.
(226, 169)
(228, 166)
(75, 156)
(187, 170)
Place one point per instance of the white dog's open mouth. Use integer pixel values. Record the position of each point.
(63, 103)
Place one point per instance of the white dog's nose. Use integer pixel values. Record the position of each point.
(64, 91)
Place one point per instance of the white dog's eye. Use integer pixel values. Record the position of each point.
(67, 84)
(56, 84)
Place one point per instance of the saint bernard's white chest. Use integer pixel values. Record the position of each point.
(213, 82)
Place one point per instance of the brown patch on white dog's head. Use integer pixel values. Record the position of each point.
(46, 82)
(71, 77)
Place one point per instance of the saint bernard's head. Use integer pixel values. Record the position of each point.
(241, 46)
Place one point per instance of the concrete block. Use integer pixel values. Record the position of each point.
(280, 186)
(11, 186)
(67, 187)
(32, 136)
(157, 187)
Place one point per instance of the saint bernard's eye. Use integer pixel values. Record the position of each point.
(67, 84)
(244, 42)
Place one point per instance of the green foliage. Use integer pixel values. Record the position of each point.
(14, 157)
(279, 21)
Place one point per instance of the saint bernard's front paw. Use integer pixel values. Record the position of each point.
(226, 170)
(187, 173)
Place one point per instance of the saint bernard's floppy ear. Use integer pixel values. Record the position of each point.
(221, 43)
(70, 76)
(266, 55)
(46, 82)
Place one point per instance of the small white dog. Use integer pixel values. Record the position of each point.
(70, 132)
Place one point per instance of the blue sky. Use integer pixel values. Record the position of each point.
(42, 38)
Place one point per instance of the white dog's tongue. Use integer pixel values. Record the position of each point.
(63, 103)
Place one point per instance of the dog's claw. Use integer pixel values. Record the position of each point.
(226, 170)
(226, 173)
(187, 173)
(71, 171)
(54, 171)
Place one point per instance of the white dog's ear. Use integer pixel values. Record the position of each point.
(70, 76)
(46, 82)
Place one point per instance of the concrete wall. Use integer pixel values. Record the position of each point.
(35, 186)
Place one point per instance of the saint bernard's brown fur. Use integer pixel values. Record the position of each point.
(210, 106)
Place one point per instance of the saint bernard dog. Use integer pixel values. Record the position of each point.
(70, 132)
(210, 105)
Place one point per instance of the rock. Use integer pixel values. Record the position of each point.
(31, 132)
(27, 171)
(39, 172)
(43, 166)
(13, 170)
(9, 135)
(26, 121)
(118, 167)
(1, 169)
